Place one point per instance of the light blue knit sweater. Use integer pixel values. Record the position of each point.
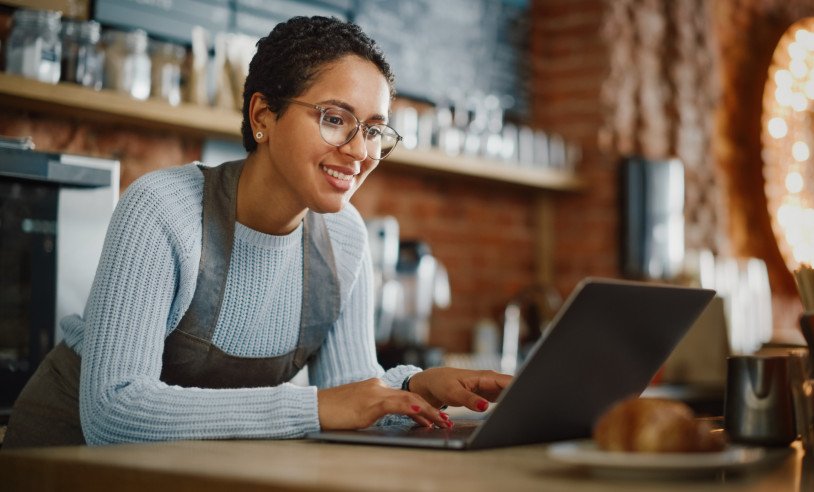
(143, 286)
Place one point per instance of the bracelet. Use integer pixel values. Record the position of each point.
(405, 386)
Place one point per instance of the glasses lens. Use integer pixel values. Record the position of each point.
(381, 139)
(337, 126)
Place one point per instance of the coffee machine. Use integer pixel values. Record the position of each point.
(54, 212)
(383, 237)
(409, 282)
(424, 284)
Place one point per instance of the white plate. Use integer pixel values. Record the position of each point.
(584, 453)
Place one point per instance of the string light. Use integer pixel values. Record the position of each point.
(800, 151)
(777, 127)
(794, 182)
(787, 137)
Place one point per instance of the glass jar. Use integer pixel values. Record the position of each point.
(127, 64)
(167, 59)
(82, 58)
(33, 49)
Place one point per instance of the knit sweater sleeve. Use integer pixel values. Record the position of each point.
(126, 320)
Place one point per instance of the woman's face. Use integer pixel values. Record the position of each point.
(321, 176)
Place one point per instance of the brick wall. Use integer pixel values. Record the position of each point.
(139, 150)
(661, 79)
(569, 65)
(482, 232)
(626, 77)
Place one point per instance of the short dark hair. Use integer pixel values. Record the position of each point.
(291, 56)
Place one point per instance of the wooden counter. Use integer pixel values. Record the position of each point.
(305, 465)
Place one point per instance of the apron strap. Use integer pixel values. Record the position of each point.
(219, 213)
(320, 288)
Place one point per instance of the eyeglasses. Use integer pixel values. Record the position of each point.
(338, 126)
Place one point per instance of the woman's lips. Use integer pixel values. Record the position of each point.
(337, 179)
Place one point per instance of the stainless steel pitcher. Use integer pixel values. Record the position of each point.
(759, 407)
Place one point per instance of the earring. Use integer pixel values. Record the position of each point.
(258, 135)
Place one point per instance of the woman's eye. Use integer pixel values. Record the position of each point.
(333, 119)
(374, 132)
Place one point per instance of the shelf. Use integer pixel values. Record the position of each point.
(109, 106)
(106, 105)
(517, 174)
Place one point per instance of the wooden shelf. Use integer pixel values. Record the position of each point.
(505, 172)
(106, 105)
(109, 106)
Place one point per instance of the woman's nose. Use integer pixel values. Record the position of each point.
(356, 147)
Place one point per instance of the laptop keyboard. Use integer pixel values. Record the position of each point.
(461, 430)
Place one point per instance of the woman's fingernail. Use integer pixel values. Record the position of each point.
(450, 424)
(443, 415)
(483, 405)
(415, 408)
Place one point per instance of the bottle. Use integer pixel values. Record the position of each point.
(82, 58)
(166, 61)
(127, 64)
(34, 49)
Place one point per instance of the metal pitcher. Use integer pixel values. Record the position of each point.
(759, 407)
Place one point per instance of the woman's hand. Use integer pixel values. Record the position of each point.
(360, 405)
(459, 387)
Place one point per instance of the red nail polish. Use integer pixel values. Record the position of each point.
(415, 408)
(443, 415)
(483, 405)
(450, 424)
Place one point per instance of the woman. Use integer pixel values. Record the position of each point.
(217, 285)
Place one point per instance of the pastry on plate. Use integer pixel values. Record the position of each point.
(656, 426)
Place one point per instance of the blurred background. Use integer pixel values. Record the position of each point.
(545, 141)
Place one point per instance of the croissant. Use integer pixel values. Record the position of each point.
(656, 426)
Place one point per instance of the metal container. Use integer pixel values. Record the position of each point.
(759, 407)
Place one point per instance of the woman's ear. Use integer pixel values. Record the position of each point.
(259, 117)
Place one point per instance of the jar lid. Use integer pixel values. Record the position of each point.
(167, 49)
(135, 40)
(50, 18)
(84, 30)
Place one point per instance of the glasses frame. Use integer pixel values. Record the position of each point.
(359, 124)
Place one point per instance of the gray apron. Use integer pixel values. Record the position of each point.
(47, 411)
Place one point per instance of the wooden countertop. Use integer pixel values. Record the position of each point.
(306, 465)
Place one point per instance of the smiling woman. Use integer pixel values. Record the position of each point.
(310, 172)
(217, 285)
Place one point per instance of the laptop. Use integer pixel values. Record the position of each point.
(605, 344)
